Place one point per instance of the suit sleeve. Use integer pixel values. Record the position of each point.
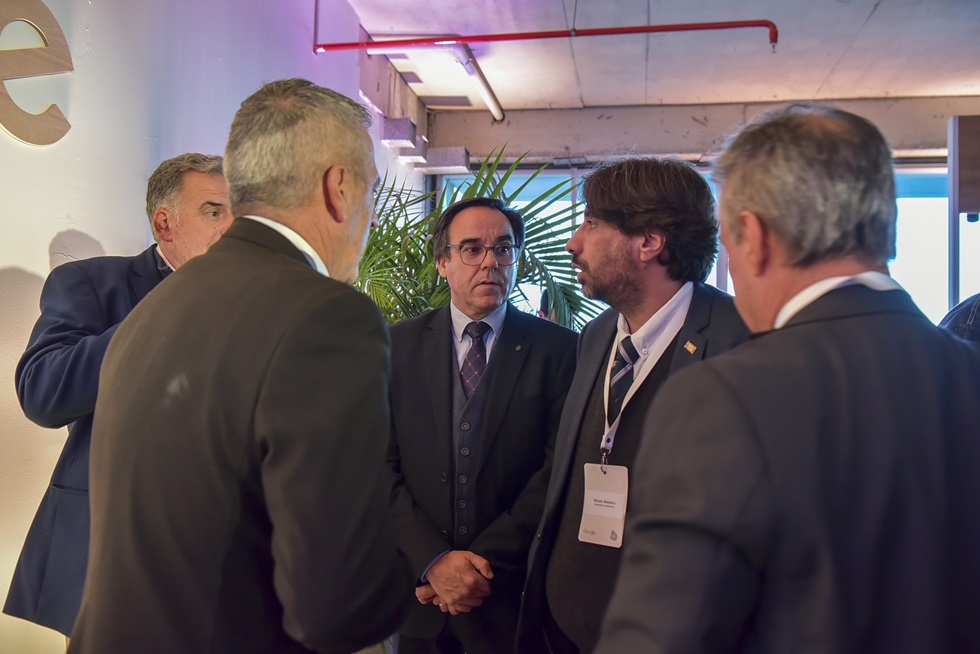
(322, 420)
(418, 537)
(58, 375)
(507, 540)
(700, 528)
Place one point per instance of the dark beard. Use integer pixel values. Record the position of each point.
(617, 289)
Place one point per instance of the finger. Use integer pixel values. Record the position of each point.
(482, 565)
(476, 585)
(468, 604)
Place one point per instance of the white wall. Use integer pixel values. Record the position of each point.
(151, 80)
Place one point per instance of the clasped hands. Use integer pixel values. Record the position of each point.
(458, 582)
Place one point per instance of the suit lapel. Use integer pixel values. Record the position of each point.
(438, 352)
(691, 343)
(144, 275)
(594, 346)
(507, 358)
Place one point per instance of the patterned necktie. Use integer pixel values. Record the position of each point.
(620, 377)
(475, 361)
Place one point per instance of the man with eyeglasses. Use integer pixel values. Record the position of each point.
(477, 392)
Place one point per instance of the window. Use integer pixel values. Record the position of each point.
(921, 264)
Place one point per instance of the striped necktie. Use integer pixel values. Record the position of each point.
(621, 377)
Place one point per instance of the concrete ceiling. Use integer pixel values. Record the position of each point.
(827, 50)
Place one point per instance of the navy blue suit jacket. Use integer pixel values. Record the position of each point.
(57, 378)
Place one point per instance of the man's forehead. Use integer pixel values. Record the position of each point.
(476, 219)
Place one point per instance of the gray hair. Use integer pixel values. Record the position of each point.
(165, 182)
(821, 178)
(284, 137)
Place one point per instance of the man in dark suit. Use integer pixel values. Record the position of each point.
(645, 247)
(82, 304)
(816, 489)
(238, 497)
(477, 391)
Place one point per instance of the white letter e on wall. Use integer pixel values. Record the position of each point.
(50, 125)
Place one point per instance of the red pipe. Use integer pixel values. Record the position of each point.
(554, 34)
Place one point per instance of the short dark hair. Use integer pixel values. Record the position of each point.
(668, 196)
(440, 235)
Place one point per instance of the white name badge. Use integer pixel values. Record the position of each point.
(604, 510)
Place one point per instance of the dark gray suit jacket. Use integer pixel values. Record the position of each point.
(238, 501)
(815, 490)
(712, 324)
(533, 362)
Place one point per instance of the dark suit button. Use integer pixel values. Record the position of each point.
(539, 535)
(463, 479)
(462, 530)
(465, 426)
(465, 451)
(461, 504)
(445, 534)
(445, 478)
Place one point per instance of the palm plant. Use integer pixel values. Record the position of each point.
(398, 270)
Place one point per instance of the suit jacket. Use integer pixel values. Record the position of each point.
(533, 362)
(238, 500)
(814, 490)
(713, 325)
(964, 319)
(82, 303)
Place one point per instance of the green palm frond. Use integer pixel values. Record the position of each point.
(398, 269)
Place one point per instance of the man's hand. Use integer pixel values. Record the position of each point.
(459, 580)
(425, 594)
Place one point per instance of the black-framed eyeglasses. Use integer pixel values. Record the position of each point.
(473, 254)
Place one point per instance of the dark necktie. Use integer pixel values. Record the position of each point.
(475, 361)
(620, 377)
(162, 265)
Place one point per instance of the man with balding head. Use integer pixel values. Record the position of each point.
(82, 304)
(238, 500)
(815, 489)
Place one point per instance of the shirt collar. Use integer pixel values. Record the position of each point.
(460, 320)
(872, 279)
(163, 258)
(643, 337)
(298, 242)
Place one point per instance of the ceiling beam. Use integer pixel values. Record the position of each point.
(914, 127)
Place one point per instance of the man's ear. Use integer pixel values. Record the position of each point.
(164, 224)
(441, 265)
(757, 241)
(652, 245)
(335, 183)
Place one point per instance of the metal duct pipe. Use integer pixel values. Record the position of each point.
(554, 34)
(460, 45)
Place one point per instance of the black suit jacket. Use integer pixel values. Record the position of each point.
(815, 490)
(82, 304)
(238, 500)
(712, 325)
(533, 363)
